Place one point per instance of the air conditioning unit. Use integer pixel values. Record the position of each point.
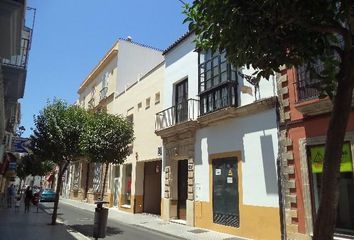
(159, 151)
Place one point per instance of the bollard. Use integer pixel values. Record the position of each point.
(100, 221)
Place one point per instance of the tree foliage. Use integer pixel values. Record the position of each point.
(56, 138)
(57, 132)
(106, 139)
(29, 165)
(267, 34)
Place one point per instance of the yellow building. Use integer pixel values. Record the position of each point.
(117, 71)
(137, 184)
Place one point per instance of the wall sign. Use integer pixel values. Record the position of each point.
(317, 156)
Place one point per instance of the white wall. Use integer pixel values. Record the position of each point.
(134, 61)
(181, 62)
(267, 87)
(256, 137)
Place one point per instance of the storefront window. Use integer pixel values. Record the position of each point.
(345, 210)
(127, 184)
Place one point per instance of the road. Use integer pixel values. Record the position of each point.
(82, 221)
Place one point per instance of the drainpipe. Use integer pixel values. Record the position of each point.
(279, 177)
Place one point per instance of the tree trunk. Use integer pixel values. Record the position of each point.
(104, 180)
(327, 212)
(59, 183)
(87, 179)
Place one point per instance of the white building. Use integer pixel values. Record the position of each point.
(220, 144)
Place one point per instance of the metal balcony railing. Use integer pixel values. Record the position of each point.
(21, 60)
(306, 90)
(103, 93)
(306, 86)
(91, 103)
(182, 112)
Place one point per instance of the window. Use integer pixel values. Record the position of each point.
(217, 82)
(140, 105)
(157, 98)
(130, 118)
(181, 101)
(345, 210)
(127, 184)
(147, 103)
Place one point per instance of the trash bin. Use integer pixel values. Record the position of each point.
(100, 220)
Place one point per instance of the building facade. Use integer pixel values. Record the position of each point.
(304, 124)
(136, 185)
(220, 144)
(121, 67)
(15, 43)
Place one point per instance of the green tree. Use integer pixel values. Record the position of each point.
(36, 167)
(268, 34)
(29, 165)
(106, 140)
(56, 137)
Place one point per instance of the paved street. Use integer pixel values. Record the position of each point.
(17, 225)
(82, 221)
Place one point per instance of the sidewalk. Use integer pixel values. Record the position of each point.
(155, 223)
(18, 225)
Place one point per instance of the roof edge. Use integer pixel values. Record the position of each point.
(177, 42)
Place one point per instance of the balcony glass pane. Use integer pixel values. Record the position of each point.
(218, 99)
(223, 66)
(224, 77)
(208, 75)
(216, 70)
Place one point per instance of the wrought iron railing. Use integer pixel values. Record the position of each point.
(91, 103)
(182, 112)
(306, 91)
(306, 86)
(21, 60)
(103, 93)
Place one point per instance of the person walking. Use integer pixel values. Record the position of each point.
(10, 195)
(28, 198)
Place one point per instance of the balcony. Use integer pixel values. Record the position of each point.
(307, 99)
(11, 25)
(217, 83)
(91, 103)
(103, 93)
(20, 60)
(14, 66)
(177, 115)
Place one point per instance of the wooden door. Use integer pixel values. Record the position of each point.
(182, 188)
(152, 187)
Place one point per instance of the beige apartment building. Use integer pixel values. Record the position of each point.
(96, 93)
(137, 183)
(121, 69)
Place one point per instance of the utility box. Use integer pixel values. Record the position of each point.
(100, 220)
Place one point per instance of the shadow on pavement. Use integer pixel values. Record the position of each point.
(87, 230)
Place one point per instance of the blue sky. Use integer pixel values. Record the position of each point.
(71, 36)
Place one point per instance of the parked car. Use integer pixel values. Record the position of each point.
(47, 195)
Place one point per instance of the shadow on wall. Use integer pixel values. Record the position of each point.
(255, 137)
(269, 167)
(225, 137)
